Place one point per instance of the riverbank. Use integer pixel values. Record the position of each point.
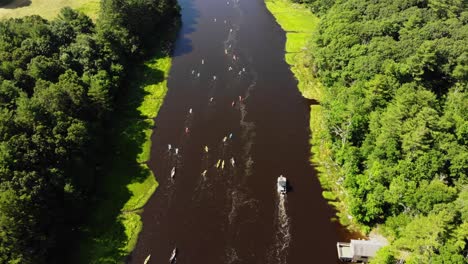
(112, 231)
(299, 23)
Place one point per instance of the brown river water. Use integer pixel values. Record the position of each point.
(233, 214)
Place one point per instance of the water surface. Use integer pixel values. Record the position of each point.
(229, 69)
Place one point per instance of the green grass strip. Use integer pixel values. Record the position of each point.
(111, 232)
(299, 24)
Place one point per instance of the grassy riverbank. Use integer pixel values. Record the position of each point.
(113, 229)
(48, 9)
(299, 23)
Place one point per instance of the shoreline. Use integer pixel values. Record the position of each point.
(111, 233)
(299, 24)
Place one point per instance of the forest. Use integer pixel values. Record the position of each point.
(395, 78)
(60, 82)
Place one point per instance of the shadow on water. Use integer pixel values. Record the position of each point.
(311, 101)
(190, 15)
(345, 232)
(13, 4)
(102, 238)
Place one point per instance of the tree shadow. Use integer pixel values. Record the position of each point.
(190, 16)
(310, 101)
(345, 230)
(103, 238)
(13, 4)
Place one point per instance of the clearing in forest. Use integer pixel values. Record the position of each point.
(47, 9)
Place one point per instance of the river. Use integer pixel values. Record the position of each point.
(229, 68)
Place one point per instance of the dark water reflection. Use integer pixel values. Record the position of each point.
(234, 214)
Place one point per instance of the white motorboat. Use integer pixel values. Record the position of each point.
(282, 185)
(173, 171)
(172, 259)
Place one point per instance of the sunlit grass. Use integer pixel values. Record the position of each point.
(141, 192)
(296, 42)
(47, 8)
(291, 16)
(155, 91)
(296, 20)
(299, 24)
(129, 183)
(133, 227)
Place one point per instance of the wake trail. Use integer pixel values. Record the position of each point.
(279, 252)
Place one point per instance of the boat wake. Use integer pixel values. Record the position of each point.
(279, 252)
(236, 200)
(241, 204)
(232, 256)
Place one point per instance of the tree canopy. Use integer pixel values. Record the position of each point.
(59, 81)
(396, 77)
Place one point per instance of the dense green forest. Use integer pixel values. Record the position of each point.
(59, 84)
(395, 77)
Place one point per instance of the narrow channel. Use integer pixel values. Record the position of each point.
(222, 205)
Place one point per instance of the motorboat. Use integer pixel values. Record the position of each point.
(173, 171)
(232, 162)
(282, 185)
(172, 259)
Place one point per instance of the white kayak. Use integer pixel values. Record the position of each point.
(173, 256)
(147, 259)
